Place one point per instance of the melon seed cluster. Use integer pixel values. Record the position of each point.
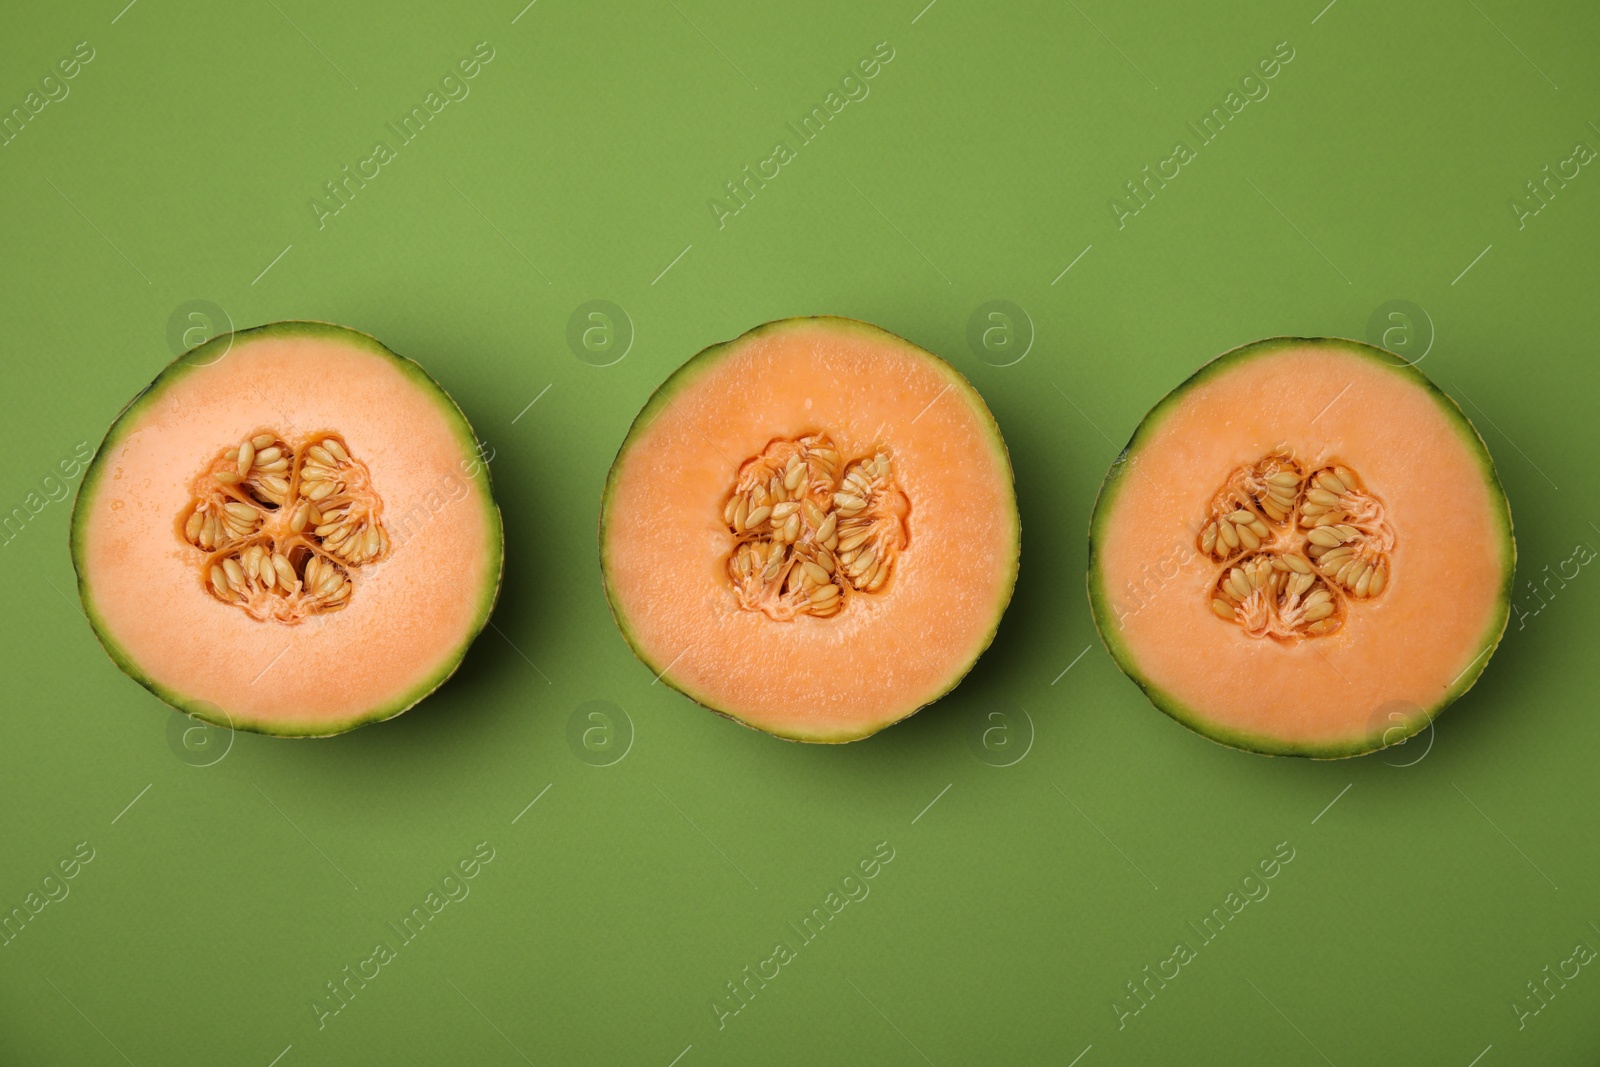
(1298, 549)
(810, 531)
(282, 526)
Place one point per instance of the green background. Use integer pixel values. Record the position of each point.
(1381, 167)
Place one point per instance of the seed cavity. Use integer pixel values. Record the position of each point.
(283, 524)
(1299, 547)
(811, 530)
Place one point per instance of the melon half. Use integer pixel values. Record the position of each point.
(1304, 550)
(811, 529)
(289, 531)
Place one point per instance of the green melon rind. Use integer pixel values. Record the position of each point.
(687, 375)
(204, 355)
(1195, 719)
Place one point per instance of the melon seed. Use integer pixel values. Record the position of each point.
(1364, 583)
(1379, 578)
(1299, 582)
(791, 507)
(829, 525)
(854, 541)
(1238, 584)
(258, 576)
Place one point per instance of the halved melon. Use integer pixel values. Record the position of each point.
(290, 531)
(811, 529)
(1304, 550)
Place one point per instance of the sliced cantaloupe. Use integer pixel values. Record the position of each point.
(1304, 550)
(290, 531)
(811, 529)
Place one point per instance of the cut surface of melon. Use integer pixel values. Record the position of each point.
(290, 531)
(811, 529)
(1303, 550)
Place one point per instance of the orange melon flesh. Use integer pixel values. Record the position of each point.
(409, 617)
(1399, 658)
(665, 544)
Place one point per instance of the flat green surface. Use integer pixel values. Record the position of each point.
(1021, 899)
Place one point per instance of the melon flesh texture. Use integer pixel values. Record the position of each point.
(410, 616)
(665, 543)
(1399, 658)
